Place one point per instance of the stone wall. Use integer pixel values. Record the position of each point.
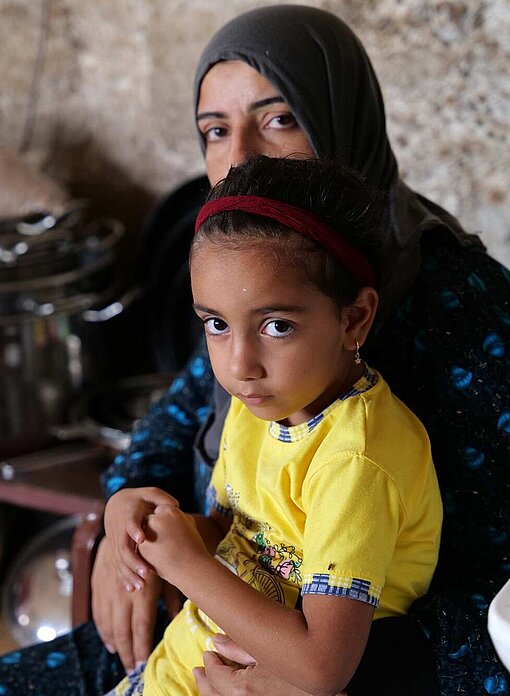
(98, 94)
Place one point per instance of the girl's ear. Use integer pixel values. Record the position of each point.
(360, 317)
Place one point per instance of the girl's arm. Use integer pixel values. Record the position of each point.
(124, 519)
(316, 650)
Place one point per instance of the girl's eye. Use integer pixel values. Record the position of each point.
(215, 326)
(286, 120)
(214, 133)
(278, 328)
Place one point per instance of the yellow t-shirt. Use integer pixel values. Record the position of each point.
(347, 504)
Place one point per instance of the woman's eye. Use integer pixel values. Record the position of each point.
(278, 328)
(215, 326)
(214, 133)
(286, 120)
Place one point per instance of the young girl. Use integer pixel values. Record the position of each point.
(325, 511)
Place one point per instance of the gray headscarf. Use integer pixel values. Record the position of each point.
(323, 73)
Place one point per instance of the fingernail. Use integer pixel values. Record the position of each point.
(141, 572)
(110, 649)
(138, 586)
(129, 588)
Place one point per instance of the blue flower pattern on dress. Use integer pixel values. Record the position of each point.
(473, 458)
(197, 367)
(504, 421)
(496, 685)
(450, 299)
(476, 282)
(12, 658)
(55, 659)
(159, 470)
(169, 443)
(494, 345)
(460, 378)
(114, 484)
(140, 436)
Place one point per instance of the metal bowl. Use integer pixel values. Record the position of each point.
(37, 592)
(108, 413)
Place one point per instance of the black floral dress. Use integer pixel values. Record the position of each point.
(446, 353)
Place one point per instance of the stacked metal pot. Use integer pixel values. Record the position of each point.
(58, 286)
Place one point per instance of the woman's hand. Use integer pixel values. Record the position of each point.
(125, 622)
(125, 515)
(172, 543)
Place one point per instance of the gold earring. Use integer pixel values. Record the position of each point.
(357, 358)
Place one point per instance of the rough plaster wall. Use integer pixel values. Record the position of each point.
(99, 94)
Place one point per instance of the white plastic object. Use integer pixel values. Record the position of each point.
(498, 623)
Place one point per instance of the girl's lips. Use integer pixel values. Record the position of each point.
(253, 399)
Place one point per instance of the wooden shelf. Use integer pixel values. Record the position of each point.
(64, 482)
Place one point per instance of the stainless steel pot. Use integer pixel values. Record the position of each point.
(57, 288)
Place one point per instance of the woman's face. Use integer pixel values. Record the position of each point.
(241, 113)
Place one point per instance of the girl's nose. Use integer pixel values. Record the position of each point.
(245, 363)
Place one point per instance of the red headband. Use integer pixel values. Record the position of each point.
(299, 220)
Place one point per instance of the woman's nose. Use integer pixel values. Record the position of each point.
(245, 363)
(243, 144)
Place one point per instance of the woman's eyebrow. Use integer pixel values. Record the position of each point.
(252, 107)
(266, 102)
(210, 114)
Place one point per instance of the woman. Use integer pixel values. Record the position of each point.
(446, 318)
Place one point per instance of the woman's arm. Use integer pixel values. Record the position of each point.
(160, 454)
(316, 650)
(161, 449)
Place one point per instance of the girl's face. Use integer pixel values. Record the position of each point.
(240, 113)
(276, 342)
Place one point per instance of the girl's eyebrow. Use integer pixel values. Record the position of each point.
(205, 310)
(252, 107)
(273, 309)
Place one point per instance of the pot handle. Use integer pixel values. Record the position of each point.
(99, 236)
(114, 308)
(83, 429)
(76, 305)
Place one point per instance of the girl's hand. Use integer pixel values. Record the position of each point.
(172, 543)
(125, 515)
(217, 678)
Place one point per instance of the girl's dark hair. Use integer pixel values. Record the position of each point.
(329, 190)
